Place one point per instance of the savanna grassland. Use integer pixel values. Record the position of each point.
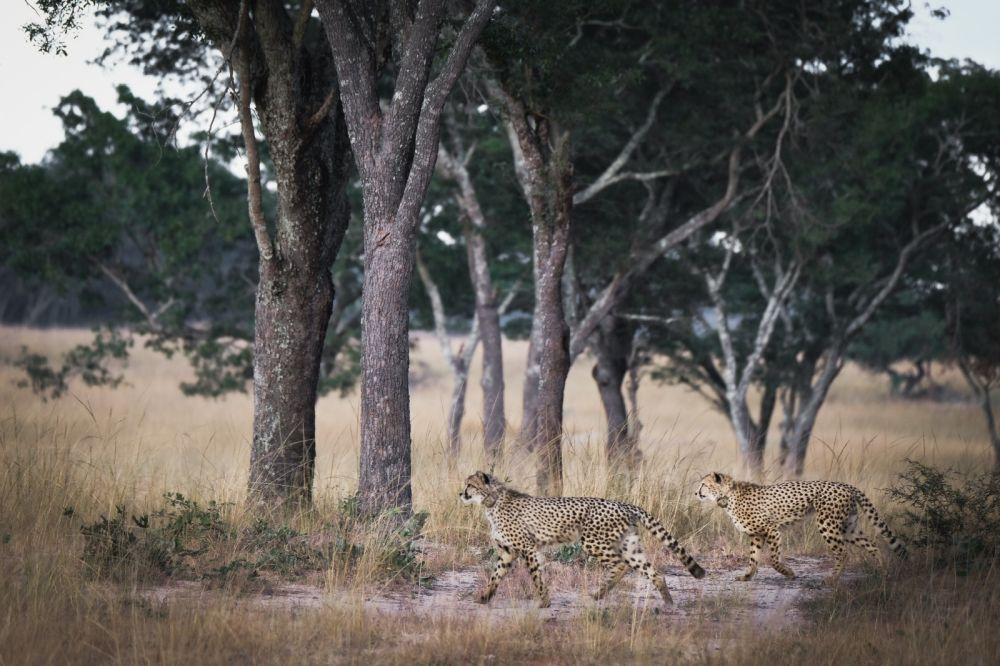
(66, 598)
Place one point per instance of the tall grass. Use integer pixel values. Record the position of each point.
(68, 461)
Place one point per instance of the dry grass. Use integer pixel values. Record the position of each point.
(98, 448)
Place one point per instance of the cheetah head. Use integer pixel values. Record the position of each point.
(715, 487)
(479, 489)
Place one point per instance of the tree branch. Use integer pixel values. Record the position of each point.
(613, 173)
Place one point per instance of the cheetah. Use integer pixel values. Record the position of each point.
(522, 523)
(759, 511)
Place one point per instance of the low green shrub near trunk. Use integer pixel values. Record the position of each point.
(189, 540)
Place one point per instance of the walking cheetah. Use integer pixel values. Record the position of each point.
(760, 510)
(607, 529)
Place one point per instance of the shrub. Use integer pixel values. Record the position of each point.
(956, 516)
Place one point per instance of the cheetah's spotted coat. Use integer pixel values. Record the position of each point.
(759, 511)
(607, 530)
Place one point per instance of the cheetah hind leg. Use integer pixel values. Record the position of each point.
(616, 571)
(636, 559)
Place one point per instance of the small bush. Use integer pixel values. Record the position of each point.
(956, 516)
(185, 539)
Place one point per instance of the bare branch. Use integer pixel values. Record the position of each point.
(613, 173)
(254, 192)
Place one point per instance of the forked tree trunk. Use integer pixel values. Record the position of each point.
(395, 146)
(292, 83)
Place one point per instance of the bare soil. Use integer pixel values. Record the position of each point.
(770, 599)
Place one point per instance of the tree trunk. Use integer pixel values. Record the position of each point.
(488, 316)
(529, 393)
(395, 145)
(293, 86)
(292, 311)
(800, 427)
(611, 344)
(553, 367)
(457, 411)
(384, 474)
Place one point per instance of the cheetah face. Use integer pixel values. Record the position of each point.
(477, 487)
(713, 487)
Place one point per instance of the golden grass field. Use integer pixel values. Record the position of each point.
(99, 447)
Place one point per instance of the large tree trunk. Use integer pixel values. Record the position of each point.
(292, 83)
(395, 142)
(293, 307)
(384, 475)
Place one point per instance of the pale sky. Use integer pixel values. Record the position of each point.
(34, 82)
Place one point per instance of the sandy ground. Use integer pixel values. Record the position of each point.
(770, 599)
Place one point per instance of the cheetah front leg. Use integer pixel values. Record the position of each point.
(535, 562)
(755, 543)
(505, 561)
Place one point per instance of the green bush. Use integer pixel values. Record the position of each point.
(188, 540)
(956, 516)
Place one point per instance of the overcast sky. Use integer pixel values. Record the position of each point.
(34, 82)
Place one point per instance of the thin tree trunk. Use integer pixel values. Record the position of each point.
(805, 420)
(611, 345)
(456, 411)
(488, 316)
(981, 389)
(454, 166)
(529, 393)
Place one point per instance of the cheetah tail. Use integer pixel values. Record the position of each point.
(895, 544)
(660, 532)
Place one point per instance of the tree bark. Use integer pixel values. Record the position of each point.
(454, 166)
(611, 345)
(395, 145)
(488, 316)
(293, 85)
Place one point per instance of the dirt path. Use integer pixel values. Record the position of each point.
(769, 599)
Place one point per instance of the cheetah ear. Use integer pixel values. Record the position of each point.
(484, 477)
(717, 477)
